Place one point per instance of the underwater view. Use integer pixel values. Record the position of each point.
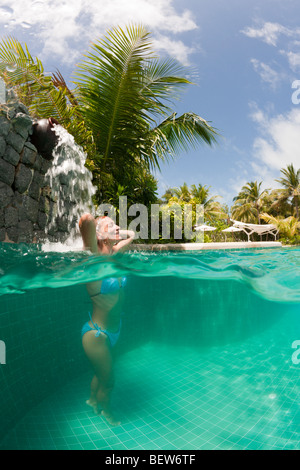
(208, 355)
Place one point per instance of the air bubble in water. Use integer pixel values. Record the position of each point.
(6, 11)
(25, 25)
(11, 67)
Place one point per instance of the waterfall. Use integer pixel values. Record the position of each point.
(71, 190)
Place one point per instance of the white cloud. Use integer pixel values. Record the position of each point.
(155, 13)
(174, 48)
(65, 27)
(266, 73)
(293, 59)
(270, 32)
(287, 40)
(277, 146)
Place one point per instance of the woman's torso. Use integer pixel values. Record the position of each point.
(107, 299)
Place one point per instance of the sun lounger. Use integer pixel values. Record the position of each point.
(249, 229)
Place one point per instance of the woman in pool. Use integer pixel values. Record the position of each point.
(100, 334)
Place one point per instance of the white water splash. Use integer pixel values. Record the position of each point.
(71, 187)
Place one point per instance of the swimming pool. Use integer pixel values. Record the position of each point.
(207, 359)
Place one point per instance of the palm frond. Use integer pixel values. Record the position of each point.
(60, 83)
(27, 76)
(291, 179)
(163, 82)
(121, 91)
(123, 88)
(109, 87)
(44, 95)
(180, 133)
(289, 226)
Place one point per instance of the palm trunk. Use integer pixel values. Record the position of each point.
(258, 216)
(297, 207)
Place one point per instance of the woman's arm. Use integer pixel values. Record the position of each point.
(121, 245)
(87, 226)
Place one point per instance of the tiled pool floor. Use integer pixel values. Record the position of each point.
(242, 397)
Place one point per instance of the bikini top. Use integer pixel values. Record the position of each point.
(111, 285)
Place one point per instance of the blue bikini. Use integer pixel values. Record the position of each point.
(108, 286)
(113, 337)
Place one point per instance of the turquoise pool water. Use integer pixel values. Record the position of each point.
(208, 356)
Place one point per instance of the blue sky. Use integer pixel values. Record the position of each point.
(244, 54)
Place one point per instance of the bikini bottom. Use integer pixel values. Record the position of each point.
(112, 336)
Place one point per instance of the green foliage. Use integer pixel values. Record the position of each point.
(278, 206)
(119, 109)
(249, 203)
(213, 210)
(43, 94)
(123, 90)
(193, 197)
(288, 227)
(291, 183)
(290, 240)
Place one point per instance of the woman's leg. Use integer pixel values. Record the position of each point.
(92, 401)
(99, 353)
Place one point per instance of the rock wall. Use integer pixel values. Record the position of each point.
(26, 206)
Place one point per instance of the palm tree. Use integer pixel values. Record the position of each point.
(276, 204)
(169, 193)
(213, 210)
(288, 227)
(124, 92)
(119, 109)
(291, 183)
(145, 187)
(43, 94)
(197, 195)
(182, 193)
(249, 202)
(201, 193)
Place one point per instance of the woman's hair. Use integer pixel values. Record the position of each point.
(100, 230)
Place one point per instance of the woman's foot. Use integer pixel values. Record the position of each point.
(93, 404)
(109, 417)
